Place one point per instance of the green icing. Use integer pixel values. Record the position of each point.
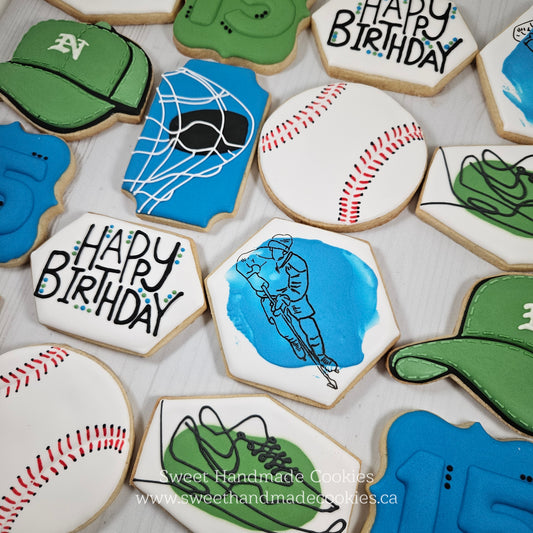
(260, 31)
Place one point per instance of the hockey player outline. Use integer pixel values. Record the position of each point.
(280, 278)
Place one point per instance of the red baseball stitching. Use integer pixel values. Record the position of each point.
(370, 163)
(55, 459)
(38, 366)
(303, 118)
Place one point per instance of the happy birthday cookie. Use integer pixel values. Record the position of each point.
(89, 76)
(35, 170)
(302, 312)
(439, 478)
(118, 284)
(344, 156)
(67, 439)
(190, 164)
(504, 66)
(258, 35)
(482, 197)
(398, 46)
(235, 463)
(490, 355)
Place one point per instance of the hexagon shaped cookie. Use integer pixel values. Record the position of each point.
(117, 283)
(481, 197)
(235, 463)
(301, 311)
(397, 46)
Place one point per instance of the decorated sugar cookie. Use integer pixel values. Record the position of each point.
(34, 172)
(258, 35)
(439, 478)
(67, 438)
(191, 160)
(116, 283)
(301, 311)
(231, 464)
(344, 157)
(88, 76)
(408, 47)
(504, 66)
(491, 354)
(482, 196)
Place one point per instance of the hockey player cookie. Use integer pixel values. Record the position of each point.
(482, 197)
(67, 439)
(88, 76)
(398, 46)
(343, 156)
(301, 312)
(504, 66)
(491, 354)
(190, 164)
(236, 463)
(258, 35)
(35, 170)
(450, 479)
(118, 284)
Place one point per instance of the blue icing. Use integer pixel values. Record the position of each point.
(30, 166)
(447, 479)
(192, 155)
(341, 298)
(517, 67)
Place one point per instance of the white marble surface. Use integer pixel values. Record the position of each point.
(426, 273)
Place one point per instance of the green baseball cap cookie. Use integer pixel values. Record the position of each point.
(491, 354)
(74, 79)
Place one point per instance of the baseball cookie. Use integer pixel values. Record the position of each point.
(67, 438)
(118, 284)
(88, 77)
(439, 478)
(35, 170)
(482, 196)
(258, 35)
(344, 157)
(301, 311)
(414, 48)
(491, 354)
(504, 66)
(192, 158)
(121, 11)
(231, 464)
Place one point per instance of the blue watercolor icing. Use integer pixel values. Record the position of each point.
(342, 291)
(453, 480)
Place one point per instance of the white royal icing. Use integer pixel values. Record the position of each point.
(414, 42)
(256, 353)
(335, 468)
(506, 192)
(97, 7)
(117, 283)
(342, 155)
(67, 437)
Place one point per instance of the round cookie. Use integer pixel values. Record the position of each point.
(343, 156)
(67, 438)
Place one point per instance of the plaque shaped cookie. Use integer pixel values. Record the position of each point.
(231, 464)
(116, 283)
(301, 312)
(34, 172)
(190, 163)
(504, 66)
(450, 479)
(409, 47)
(67, 438)
(343, 156)
(258, 35)
(482, 196)
(491, 353)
